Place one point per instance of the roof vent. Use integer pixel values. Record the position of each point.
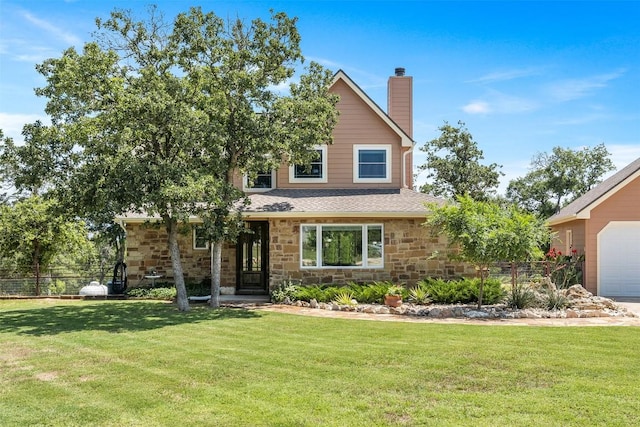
(400, 71)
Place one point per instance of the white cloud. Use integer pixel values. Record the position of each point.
(11, 124)
(505, 75)
(570, 89)
(57, 32)
(477, 107)
(622, 154)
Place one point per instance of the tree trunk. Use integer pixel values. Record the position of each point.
(216, 266)
(176, 264)
(36, 265)
(481, 287)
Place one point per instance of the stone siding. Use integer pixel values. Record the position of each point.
(411, 253)
(147, 250)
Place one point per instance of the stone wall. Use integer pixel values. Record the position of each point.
(411, 253)
(147, 250)
(409, 256)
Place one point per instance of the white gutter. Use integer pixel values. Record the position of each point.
(404, 165)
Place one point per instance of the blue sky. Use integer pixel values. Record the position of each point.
(523, 76)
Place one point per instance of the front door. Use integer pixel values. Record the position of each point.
(253, 259)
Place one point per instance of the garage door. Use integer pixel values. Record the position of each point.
(619, 259)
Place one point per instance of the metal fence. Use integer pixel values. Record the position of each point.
(562, 272)
(67, 280)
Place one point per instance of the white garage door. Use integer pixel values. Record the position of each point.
(619, 259)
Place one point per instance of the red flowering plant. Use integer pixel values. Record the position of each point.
(564, 270)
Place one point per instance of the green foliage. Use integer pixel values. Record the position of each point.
(555, 300)
(184, 106)
(485, 232)
(458, 172)
(558, 178)
(34, 231)
(168, 293)
(395, 290)
(57, 287)
(521, 296)
(419, 295)
(283, 291)
(369, 293)
(462, 291)
(344, 297)
(564, 270)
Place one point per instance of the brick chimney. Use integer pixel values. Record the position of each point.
(400, 109)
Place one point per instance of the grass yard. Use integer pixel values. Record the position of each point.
(140, 363)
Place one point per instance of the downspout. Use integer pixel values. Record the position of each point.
(404, 164)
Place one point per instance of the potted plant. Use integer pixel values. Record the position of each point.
(393, 297)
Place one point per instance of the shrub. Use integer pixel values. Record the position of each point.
(168, 293)
(57, 287)
(285, 290)
(521, 296)
(419, 295)
(555, 300)
(463, 291)
(344, 297)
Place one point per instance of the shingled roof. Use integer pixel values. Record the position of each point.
(340, 202)
(581, 207)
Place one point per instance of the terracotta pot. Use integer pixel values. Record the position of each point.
(393, 300)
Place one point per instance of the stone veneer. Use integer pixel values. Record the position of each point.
(147, 250)
(409, 250)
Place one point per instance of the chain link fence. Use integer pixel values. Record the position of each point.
(67, 280)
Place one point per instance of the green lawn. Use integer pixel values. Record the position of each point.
(133, 363)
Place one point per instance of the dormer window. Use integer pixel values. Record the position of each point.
(371, 163)
(316, 171)
(264, 181)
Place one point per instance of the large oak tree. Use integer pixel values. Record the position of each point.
(162, 114)
(558, 178)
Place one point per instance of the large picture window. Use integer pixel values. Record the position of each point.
(315, 171)
(371, 163)
(341, 246)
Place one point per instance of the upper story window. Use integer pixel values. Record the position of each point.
(372, 163)
(199, 239)
(316, 171)
(264, 181)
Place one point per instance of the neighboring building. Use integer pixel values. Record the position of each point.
(351, 216)
(604, 225)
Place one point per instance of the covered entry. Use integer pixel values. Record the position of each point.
(253, 259)
(619, 259)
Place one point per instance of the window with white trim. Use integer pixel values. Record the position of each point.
(264, 181)
(341, 246)
(372, 163)
(315, 171)
(568, 242)
(200, 241)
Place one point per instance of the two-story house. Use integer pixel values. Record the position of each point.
(351, 216)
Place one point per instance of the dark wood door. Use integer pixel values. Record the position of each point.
(253, 259)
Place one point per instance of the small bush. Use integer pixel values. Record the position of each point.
(285, 290)
(521, 296)
(57, 287)
(344, 297)
(463, 291)
(554, 300)
(419, 295)
(168, 293)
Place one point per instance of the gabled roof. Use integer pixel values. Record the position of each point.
(582, 206)
(406, 139)
(345, 203)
